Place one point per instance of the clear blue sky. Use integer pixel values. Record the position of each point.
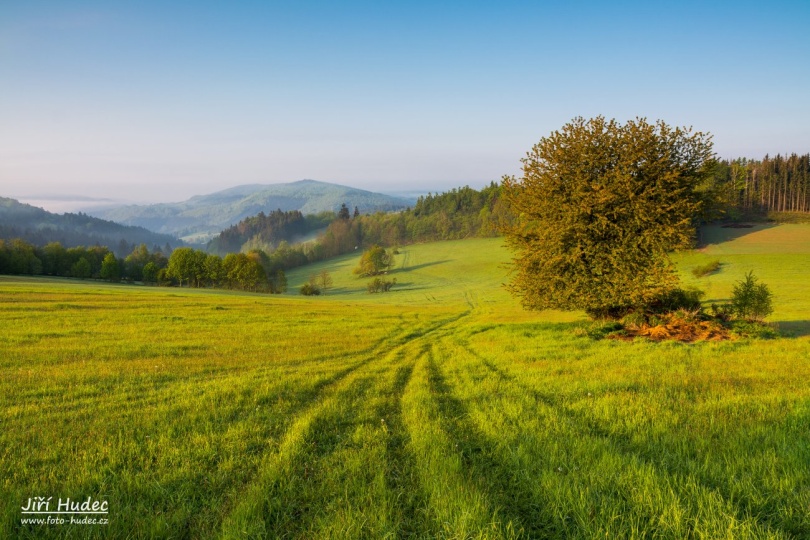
(163, 100)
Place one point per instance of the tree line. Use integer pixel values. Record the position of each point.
(53, 259)
(459, 213)
(266, 231)
(773, 184)
(254, 271)
(735, 188)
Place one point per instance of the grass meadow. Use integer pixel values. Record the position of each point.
(438, 410)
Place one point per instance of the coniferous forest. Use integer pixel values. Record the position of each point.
(773, 184)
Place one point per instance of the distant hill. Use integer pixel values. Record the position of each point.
(200, 218)
(40, 227)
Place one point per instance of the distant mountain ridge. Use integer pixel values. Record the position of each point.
(201, 217)
(40, 227)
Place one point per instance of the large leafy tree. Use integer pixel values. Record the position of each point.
(110, 269)
(187, 265)
(598, 208)
(375, 261)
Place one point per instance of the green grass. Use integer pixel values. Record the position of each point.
(438, 410)
(456, 272)
(777, 254)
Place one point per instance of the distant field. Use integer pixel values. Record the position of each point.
(439, 410)
(779, 255)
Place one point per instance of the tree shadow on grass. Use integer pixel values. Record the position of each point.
(788, 329)
(718, 233)
(651, 452)
(406, 286)
(793, 329)
(496, 480)
(419, 266)
(339, 290)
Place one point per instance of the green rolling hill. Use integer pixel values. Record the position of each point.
(39, 227)
(201, 217)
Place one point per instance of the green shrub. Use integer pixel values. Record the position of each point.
(751, 300)
(686, 299)
(687, 315)
(754, 329)
(378, 285)
(636, 319)
(706, 269)
(654, 320)
(308, 289)
(723, 312)
(602, 329)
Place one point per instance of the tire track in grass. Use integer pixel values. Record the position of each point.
(145, 501)
(536, 455)
(266, 507)
(359, 490)
(671, 494)
(366, 484)
(400, 465)
(457, 507)
(242, 395)
(152, 391)
(393, 494)
(261, 509)
(521, 515)
(681, 478)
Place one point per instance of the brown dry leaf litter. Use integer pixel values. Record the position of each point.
(678, 330)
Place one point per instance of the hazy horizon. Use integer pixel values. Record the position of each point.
(65, 202)
(155, 102)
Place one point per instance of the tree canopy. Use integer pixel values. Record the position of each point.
(375, 261)
(599, 206)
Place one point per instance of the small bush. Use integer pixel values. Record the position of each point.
(600, 330)
(378, 285)
(722, 312)
(706, 269)
(308, 289)
(753, 329)
(636, 319)
(751, 300)
(687, 299)
(689, 315)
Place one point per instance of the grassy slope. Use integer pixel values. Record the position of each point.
(437, 410)
(777, 254)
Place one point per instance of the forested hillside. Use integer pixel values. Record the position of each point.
(739, 188)
(266, 231)
(40, 227)
(459, 213)
(202, 217)
(456, 214)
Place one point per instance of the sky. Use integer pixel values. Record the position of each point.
(158, 101)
